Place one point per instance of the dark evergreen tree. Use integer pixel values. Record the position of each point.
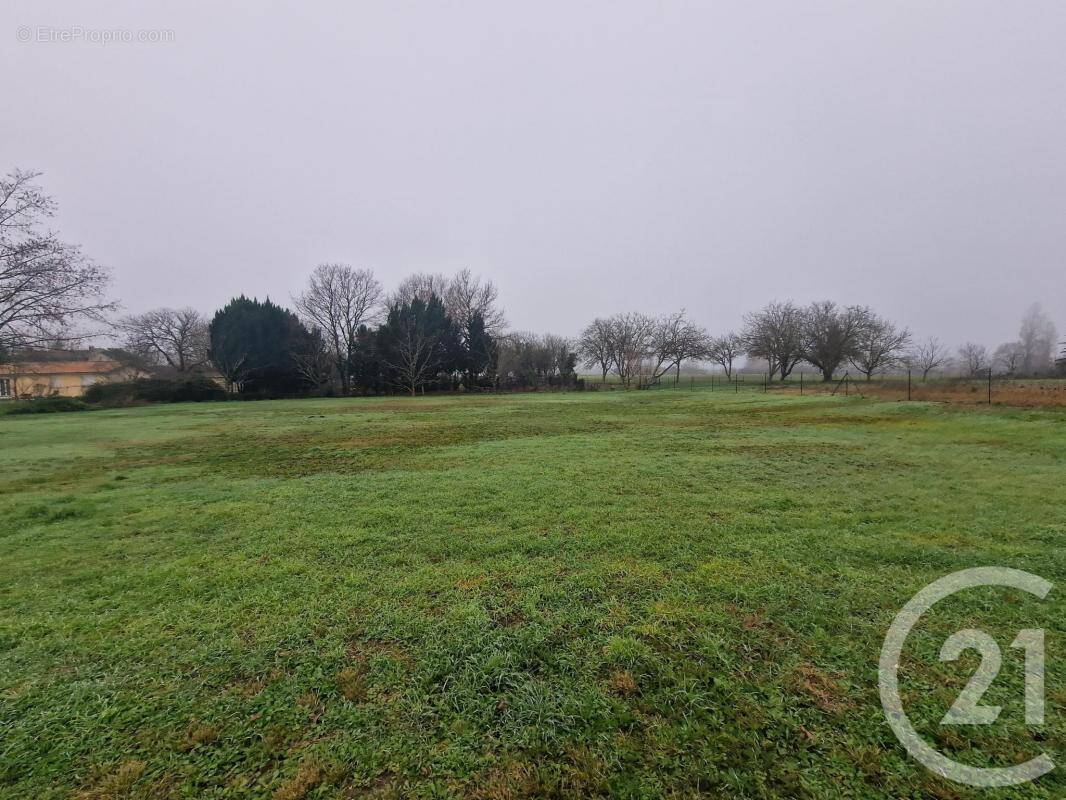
(419, 345)
(255, 345)
(479, 353)
(365, 364)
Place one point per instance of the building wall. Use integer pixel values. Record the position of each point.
(41, 383)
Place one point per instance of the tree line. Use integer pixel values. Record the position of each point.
(343, 335)
(826, 337)
(346, 334)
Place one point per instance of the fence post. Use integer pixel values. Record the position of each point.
(736, 381)
(990, 385)
(692, 382)
(847, 384)
(908, 383)
(801, 384)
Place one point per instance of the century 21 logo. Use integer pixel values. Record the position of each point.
(967, 709)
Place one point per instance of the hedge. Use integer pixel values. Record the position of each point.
(193, 389)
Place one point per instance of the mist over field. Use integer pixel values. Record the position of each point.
(587, 158)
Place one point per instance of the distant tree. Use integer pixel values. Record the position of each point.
(1009, 357)
(595, 347)
(230, 346)
(879, 347)
(366, 367)
(775, 334)
(253, 345)
(725, 350)
(562, 358)
(1060, 362)
(1037, 337)
(674, 339)
(418, 342)
(518, 363)
(177, 337)
(46, 285)
(479, 350)
(829, 335)
(630, 344)
(338, 300)
(527, 360)
(420, 286)
(313, 359)
(640, 347)
(462, 294)
(973, 358)
(928, 355)
(466, 295)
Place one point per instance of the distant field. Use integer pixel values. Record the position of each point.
(1019, 392)
(630, 594)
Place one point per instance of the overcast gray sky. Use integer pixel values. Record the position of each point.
(589, 157)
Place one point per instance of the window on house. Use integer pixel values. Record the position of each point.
(88, 380)
(5, 387)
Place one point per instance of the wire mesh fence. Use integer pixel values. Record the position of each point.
(986, 389)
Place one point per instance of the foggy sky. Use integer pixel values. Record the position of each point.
(588, 157)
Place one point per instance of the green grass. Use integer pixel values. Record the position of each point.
(617, 594)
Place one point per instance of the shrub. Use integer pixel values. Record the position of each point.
(193, 389)
(44, 405)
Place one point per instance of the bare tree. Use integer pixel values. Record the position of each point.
(463, 294)
(640, 347)
(630, 344)
(1009, 357)
(1037, 336)
(176, 337)
(415, 356)
(421, 286)
(725, 350)
(674, 339)
(927, 356)
(561, 355)
(879, 347)
(466, 295)
(594, 346)
(529, 360)
(973, 358)
(830, 334)
(46, 285)
(775, 334)
(339, 299)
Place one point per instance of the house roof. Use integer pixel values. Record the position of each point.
(32, 356)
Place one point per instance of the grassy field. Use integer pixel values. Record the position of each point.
(643, 594)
